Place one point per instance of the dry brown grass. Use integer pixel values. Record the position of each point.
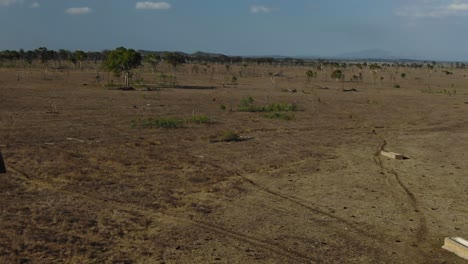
(309, 189)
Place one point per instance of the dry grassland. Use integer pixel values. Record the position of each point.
(94, 184)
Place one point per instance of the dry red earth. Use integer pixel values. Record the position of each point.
(83, 186)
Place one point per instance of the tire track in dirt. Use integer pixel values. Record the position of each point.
(422, 231)
(302, 203)
(357, 230)
(261, 243)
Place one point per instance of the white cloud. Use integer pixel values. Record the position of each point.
(260, 9)
(34, 5)
(458, 7)
(434, 9)
(152, 5)
(78, 10)
(8, 2)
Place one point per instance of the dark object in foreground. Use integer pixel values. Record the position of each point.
(193, 87)
(229, 136)
(127, 88)
(2, 164)
(349, 90)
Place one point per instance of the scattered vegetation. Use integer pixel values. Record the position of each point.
(226, 136)
(200, 119)
(279, 115)
(396, 86)
(169, 122)
(246, 105)
(337, 75)
(279, 107)
(175, 59)
(310, 74)
(447, 72)
(234, 80)
(122, 60)
(444, 91)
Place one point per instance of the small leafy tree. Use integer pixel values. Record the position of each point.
(63, 55)
(234, 80)
(153, 60)
(310, 74)
(80, 56)
(337, 75)
(44, 55)
(122, 60)
(72, 59)
(175, 59)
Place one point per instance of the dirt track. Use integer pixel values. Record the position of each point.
(84, 187)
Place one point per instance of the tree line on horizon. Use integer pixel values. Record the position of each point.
(77, 57)
(44, 55)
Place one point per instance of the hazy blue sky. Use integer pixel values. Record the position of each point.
(431, 29)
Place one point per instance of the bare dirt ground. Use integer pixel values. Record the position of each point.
(83, 186)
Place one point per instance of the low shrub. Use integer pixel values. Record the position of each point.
(199, 119)
(279, 107)
(228, 136)
(278, 115)
(168, 122)
(246, 105)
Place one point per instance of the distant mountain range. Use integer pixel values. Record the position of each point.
(369, 54)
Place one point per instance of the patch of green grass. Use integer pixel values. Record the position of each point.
(279, 107)
(227, 136)
(279, 115)
(201, 119)
(246, 105)
(165, 122)
(168, 122)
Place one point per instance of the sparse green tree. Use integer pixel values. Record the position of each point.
(175, 59)
(153, 60)
(310, 74)
(122, 60)
(43, 54)
(80, 56)
(337, 75)
(234, 80)
(63, 55)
